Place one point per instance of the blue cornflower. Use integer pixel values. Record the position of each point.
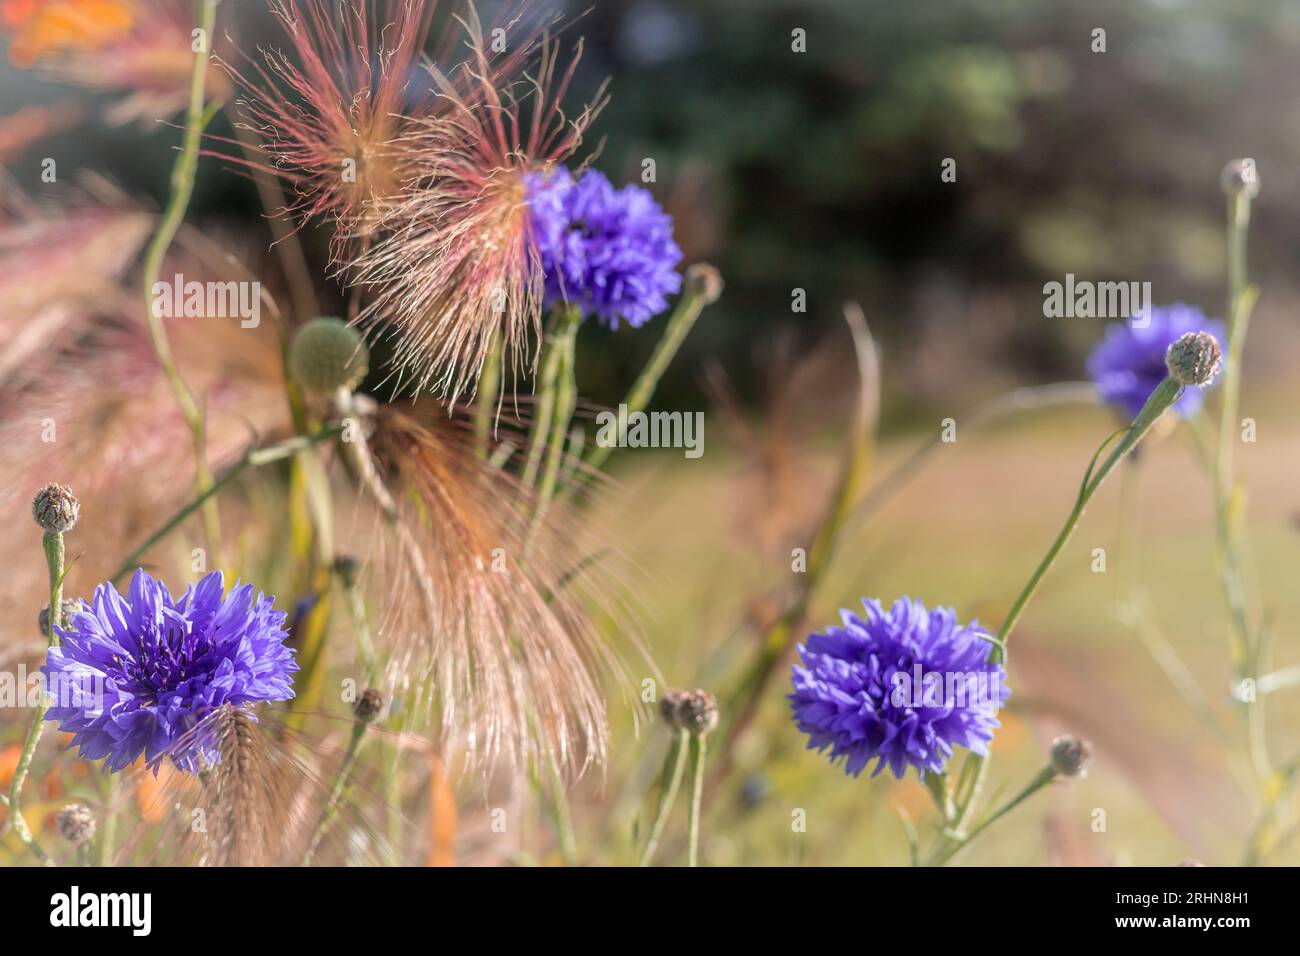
(1129, 363)
(901, 687)
(135, 674)
(609, 252)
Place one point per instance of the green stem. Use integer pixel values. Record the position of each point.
(954, 845)
(674, 770)
(54, 558)
(1165, 394)
(562, 817)
(552, 359)
(336, 792)
(698, 749)
(489, 392)
(182, 189)
(680, 323)
(252, 459)
(566, 398)
(1245, 652)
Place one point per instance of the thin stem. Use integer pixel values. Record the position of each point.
(252, 459)
(562, 817)
(182, 189)
(680, 323)
(1165, 394)
(952, 847)
(54, 558)
(698, 750)
(1241, 300)
(552, 359)
(336, 792)
(674, 770)
(566, 398)
(487, 401)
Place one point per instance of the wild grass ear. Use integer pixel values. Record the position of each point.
(258, 801)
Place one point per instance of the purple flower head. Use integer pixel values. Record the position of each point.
(1129, 363)
(609, 252)
(137, 672)
(901, 687)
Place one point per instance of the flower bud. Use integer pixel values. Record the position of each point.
(345, 566)
(327, 354)
(43, 619)
(368, 706)
(1070, 756)
(1240, 176)
(668, 705)
(76, 823)
(704, 282)
(694, 711)
(1194, 359)
(56, 508)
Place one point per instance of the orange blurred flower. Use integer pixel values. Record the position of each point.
(44, 27)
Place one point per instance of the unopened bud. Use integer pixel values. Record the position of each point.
(327, 354)
(56, 508)
(704, 282)
(76, 823)
(1194, 359)
(1070, 756)
(368, 706)
(1240, 176)
(695, 711)
(43, 619)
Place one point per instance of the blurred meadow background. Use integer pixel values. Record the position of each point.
(820, 171)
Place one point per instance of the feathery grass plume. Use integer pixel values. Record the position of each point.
(141, 49)
(258, 803)
(328, 113)
(56, 265)
(504, 632)
(106, 417)
(458, 262)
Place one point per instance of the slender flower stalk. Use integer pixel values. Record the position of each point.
(975, 772)
(699, 747)
(564, 403)
(487, 401)
(56, 510)
(674, 770)
(703, 286)
(368, 707)
(1241, 185)
(254, 458)
(182, 188)
(560, 333)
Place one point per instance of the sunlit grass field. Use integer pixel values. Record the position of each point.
(1132, 657)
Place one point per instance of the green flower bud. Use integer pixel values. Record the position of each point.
(327, 354)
